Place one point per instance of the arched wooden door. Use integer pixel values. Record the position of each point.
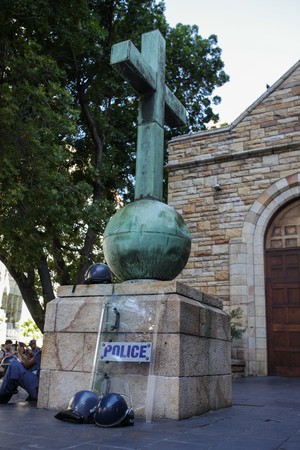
(282, 270)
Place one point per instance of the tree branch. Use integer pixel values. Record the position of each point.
(46, 282)
(97, 186)
(62, 273)
(28, 292)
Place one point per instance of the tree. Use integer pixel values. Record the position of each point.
(69, 128)
(30, 330)
(194, 70)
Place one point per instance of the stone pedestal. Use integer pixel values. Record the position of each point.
(191, 370)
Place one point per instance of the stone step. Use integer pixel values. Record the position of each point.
(238, 367)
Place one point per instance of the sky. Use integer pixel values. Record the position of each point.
(260, 41)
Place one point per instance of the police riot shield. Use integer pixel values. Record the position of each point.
(126, 349)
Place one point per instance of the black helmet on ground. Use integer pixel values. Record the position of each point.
(98, 273)
(81, 408)
(6, 361)
(113, 411)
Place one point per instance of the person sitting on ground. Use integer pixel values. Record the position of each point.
(32, 344)
(7, 349)
(23, 372)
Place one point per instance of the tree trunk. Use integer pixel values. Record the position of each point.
(98, 187)
(46, 282)
(29, 294)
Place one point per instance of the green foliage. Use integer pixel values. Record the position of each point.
(68, 128)
(30, 330)
(194, 69)
(236, 327)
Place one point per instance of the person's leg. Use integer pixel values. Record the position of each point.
(10, 382)
(30, 383)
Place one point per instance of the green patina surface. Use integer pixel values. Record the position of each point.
(147, 239)
(145, 71)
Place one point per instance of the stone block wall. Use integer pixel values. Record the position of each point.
(70, 339)
(245, 158)
(191, 371)
(256, 163)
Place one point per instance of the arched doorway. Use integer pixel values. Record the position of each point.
(282, 282)
(247, 270)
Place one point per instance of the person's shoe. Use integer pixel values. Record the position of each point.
(30, 399)
(4, 398)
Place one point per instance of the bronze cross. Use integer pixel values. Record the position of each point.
(145, 72)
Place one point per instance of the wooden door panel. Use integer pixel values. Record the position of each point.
(283, 267)
(278, 296)
(279, 315)
(295, 359)
(285, 327)
(285, 371)
(293, 295)
(280, 339)
(294, 315)
(295, 340)
(283, 312)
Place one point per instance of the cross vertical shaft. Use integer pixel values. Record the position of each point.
(150, 135)
(145, 72)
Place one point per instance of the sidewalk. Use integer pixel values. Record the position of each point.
(265, 416)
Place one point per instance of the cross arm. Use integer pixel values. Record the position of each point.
(175, 112)
(130, 64)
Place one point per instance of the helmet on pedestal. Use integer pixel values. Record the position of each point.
(98, 273)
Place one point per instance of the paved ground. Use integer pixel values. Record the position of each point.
(265, 416)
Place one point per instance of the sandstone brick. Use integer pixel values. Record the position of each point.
(254, 160)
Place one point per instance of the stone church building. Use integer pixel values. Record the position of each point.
(238, 189)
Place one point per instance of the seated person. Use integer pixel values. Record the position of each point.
(33, 346)
(23, 372)
(7, 349)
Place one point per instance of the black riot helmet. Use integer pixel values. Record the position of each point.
(81, 408)
(113, 411)
(98, 273)
(6, 361)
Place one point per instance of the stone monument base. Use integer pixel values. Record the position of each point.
(190, 372)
